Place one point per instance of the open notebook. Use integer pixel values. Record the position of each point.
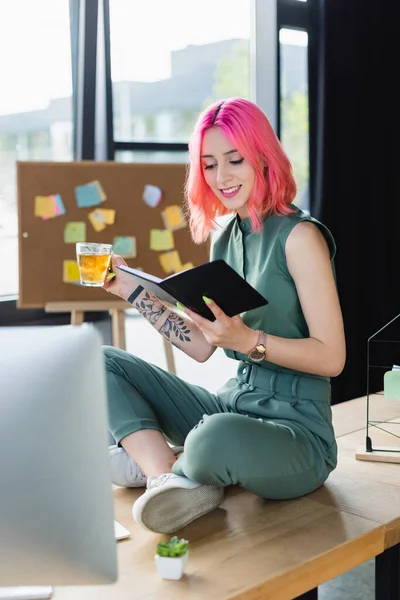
(216, 280)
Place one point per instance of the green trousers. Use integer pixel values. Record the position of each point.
(267, 431)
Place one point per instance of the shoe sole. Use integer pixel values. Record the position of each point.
(170, 511)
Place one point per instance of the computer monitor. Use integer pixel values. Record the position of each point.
(56, 503)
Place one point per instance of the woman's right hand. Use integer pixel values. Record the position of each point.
(121, 284)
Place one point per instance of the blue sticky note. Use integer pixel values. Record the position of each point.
(87, 195)
(60, 210)
(125, 246)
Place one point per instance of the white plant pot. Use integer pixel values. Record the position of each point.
(171, 568)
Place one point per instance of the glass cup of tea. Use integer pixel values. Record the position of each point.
(93, 262)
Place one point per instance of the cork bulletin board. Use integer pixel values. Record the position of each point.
(42, 246)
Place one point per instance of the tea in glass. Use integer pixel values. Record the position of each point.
(93, 262)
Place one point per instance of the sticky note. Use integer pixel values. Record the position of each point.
(97, 220)
(71, 271)
(59, 205)
(161, 239)
(152, 195)
(391, 385)
(125, 246)
(101, 217)
(108, 215)
(186, 267)
(173, 217)
(44, 207)
(53, 200)
(170, 262)
(87, 195)
(75, 231)
(102, 194)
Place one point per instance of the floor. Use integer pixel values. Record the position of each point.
(143, 341)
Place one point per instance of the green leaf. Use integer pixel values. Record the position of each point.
(173, 548)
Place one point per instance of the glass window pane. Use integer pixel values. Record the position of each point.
(165, 73)
(294, 107)
(35, 105)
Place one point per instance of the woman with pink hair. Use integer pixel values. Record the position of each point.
(268, 429)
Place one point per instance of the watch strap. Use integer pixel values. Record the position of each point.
(261, 336)
(261, 341)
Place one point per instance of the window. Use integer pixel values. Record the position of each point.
(166, 69)
(35, 105)
(294, 107)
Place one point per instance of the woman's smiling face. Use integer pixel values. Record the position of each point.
(228, 174)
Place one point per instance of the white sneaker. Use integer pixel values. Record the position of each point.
(124, 470)
(172, 501)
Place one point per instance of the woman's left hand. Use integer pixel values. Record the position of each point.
(225, 332)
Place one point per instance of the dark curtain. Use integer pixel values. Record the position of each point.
(355, 164)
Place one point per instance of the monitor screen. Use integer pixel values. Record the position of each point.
(56, 502)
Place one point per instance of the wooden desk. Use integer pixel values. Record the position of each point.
(254, 549)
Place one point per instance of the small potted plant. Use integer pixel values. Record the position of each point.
(171, 558)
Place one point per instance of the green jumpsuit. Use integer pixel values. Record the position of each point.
(269, 429)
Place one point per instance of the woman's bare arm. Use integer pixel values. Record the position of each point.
(324, 351)
(174, 326)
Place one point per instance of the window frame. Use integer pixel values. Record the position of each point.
(291, 14)
(263, 64)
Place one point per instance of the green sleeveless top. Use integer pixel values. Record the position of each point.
(260, 259)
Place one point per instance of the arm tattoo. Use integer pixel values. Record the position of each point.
(176, 345)
(151, 309)
(174, 325)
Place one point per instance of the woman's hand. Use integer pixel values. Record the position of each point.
(225, 332)
(117, 282)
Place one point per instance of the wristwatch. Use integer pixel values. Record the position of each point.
(260, 351)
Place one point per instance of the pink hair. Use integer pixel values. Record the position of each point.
(251, 134)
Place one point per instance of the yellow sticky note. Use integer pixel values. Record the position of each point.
(108, 214)
(98, 223)
(75, 231)
(173, 217)
(170, 262)
(71, 271)
(161, 239)
(45, 206)
(186, 266)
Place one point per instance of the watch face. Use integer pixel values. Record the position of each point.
(258, 353)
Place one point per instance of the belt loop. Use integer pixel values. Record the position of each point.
(295, 383)
(249, 371)
(272, 382)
